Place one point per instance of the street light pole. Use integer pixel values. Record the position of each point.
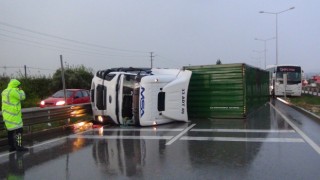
(265, 49)
(276, 13)
(277, 51)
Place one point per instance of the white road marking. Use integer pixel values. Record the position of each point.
(192, 138)
(145, 130)
(244, 130)
(120, 137)
(239, 139)
(302, 134)
(180, 134)
(201, 130)
(6, 154)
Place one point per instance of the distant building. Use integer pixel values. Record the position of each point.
(316, 79)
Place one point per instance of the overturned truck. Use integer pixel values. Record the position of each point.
(140, 96)
(151, 96)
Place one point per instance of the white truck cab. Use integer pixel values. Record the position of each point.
(140, 96)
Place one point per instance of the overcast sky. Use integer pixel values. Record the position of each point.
(103, 34)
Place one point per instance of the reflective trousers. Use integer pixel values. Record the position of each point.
(15, 138)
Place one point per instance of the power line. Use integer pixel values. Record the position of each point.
(10, 67)
(70, 40)
(40, 68)
(66, 48)
(22, 70)
(42, 39)
(58, 42)
(28, 67)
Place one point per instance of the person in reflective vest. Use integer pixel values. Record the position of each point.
(11, 112)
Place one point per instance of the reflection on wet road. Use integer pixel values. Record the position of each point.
(266, 145)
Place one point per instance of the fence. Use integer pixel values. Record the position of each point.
(40, 120)
(311, 90)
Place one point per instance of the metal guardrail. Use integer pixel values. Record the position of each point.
(37, 120)
(311, 90)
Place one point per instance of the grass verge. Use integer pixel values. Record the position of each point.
(308, 102)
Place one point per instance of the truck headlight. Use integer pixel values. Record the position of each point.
(100, 118)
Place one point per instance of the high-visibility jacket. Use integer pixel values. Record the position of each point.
(11, 105)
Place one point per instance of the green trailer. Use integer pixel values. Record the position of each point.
(226, 90)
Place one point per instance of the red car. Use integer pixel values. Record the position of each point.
(74, 96)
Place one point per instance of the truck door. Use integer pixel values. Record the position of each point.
(127, 96)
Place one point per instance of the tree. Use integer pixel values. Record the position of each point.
(218, 61)
(35, 88)
(76, 77)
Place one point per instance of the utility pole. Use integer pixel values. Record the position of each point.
(63, 80)
(151, 58)
(25, 71)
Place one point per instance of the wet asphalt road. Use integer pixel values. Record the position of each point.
(276, 142)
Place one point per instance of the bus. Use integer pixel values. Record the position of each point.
(285, 80)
